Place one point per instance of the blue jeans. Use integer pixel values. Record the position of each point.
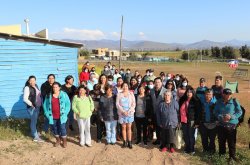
(71, 117)
(33, 112)
(46, 124)
(59, 129)
(111, 131)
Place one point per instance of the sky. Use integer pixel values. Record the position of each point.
(168, 21)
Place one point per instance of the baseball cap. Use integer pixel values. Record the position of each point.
(227, 91)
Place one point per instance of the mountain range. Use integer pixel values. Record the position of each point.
(151, 45)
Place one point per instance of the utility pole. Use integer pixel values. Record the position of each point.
(121, 45)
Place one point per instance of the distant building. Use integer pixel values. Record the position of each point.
(113, 54)
(22, 56)
(99, 51)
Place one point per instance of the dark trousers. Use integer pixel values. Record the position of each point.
(157, 128)
(100, 128)
(168, 137)
(208, 138)
(229, 136)
(141, 124)
(188, 134)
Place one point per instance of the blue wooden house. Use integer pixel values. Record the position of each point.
(22, 56)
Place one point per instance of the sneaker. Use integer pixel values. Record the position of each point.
(192, 153)
(88, 145)
(38, 139)
(172, 150)
(164, 149)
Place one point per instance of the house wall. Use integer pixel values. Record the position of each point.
(19, 60)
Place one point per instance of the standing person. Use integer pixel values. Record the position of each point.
(56, 108)
(207, 122)
(200, 91)
(46, 89)
(146, 77)
(189, 114)
(227, 111)
(167, 119)
(170, 87)
(95, 94)
(83, 107)
(84, 75)
(106, 71)
(218, 87)
(139, 79)
(33, 100)
(128, 76)
(125, 103)
(141, 116)
(70, 89)
(157, 96)
(122, 73)
(133, 85)
(118, 87)
(91, 82)
(108, 114)
(102, 83)
(177, 81)
(116, 76)
(183, 88)
(151, 75)
(93, 71)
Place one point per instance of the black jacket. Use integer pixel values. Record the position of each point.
(108, 110)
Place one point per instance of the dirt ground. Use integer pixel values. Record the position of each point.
(30, 153)
(24, 151)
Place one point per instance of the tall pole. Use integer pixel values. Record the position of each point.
(121, 45)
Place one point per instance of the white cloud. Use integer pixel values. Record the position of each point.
(115, 34)
(79, 34)
(142, 35)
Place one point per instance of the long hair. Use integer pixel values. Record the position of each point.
(27, 83)
(80, 87)
(55, 83)
(99, 80)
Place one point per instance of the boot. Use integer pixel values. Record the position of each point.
(64, 142)
(124, 144)
(58, 141)
(130, 144)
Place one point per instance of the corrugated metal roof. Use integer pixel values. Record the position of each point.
(40, 40)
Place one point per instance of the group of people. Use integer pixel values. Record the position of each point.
(158, 105)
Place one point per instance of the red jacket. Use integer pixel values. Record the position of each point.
(84, 76)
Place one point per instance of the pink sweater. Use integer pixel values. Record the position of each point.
(131, 104)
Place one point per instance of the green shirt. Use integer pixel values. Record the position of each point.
(83, 107)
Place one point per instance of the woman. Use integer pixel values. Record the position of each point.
(118, 88)
(83, 107)
(70, 89)
(133, 85)
(125, 103)
(84, 75)
(170, 87)
(32, 98)
(141, 116)
(182, 89)
(189, 115)
(56, 108)
(102, 83)
(108, 114)
(167, 119)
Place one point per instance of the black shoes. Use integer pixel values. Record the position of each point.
(130, 144)
(138, 142)
(71, 127)
(157, 142)
(124, 145)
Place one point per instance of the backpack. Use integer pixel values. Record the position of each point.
(241, 118)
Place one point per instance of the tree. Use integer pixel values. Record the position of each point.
(245, 52)
(215, 52)
(228, 52)
(145, 55)
(184, 55)
(84, 52)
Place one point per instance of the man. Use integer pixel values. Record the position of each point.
(106, 71)
(200, 91)
(46, 89)
(151, 75)
(218, 88)
(227, 111)
(70, 89)
(157, 95)
(128, 76)
(207, 121)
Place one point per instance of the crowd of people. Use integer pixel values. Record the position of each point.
(120, 102)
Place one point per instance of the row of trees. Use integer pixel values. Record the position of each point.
(226, 52)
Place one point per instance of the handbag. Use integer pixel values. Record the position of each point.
(179, 138)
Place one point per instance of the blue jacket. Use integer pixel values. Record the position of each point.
(232, 107)
(64, 107)
(168, 115)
